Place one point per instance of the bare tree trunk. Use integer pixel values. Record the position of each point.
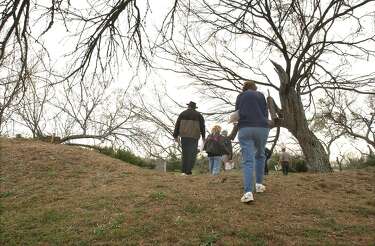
(295, 121)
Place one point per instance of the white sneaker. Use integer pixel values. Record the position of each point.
(247, 197)
(183, 174)
(259, 188)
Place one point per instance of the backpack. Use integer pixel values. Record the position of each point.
(215, 145)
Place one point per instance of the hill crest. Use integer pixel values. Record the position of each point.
(56, 194)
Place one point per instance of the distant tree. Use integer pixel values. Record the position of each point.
(340, 114)
(223, 43)
(93, 111)
(12, 89)
(99, 36)
(158, 119)
(32, 110)
(20, 94)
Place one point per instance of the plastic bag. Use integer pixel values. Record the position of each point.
(234, 117)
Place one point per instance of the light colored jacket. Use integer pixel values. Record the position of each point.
(284, 157)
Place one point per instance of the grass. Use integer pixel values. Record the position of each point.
(62, 195)
(364, 211)
(208, 239)
(6, 194)
(158, 196)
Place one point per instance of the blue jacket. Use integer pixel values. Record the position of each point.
(252, 108)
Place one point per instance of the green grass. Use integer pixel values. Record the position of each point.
(195, 209)
(6, 194)
(314, 233)
(208, 239)
(364, 211)
(159, 195)
(251, 238)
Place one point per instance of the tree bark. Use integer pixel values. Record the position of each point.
(295, 121)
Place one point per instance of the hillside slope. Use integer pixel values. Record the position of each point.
(63, 195)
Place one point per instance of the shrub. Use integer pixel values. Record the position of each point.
(201, 164)
(298, 165)
(370, 160)
(127, 156)
(173, 163)
(273, 161)
(108, 151)
(361, 162)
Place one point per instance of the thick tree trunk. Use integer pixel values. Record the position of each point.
(295, 121)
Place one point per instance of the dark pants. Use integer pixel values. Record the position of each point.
(285, 167)
(266, 167)
(189, 154)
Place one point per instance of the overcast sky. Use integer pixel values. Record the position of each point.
(58, 44)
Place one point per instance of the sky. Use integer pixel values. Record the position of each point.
(57, 43)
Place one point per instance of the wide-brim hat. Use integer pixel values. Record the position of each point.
(192, 104)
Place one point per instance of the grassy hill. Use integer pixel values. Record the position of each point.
(62, 195)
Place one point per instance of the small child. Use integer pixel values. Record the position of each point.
(215, 148)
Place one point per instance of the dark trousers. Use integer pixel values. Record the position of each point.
(285, 167)
(189, 154)
(265, 167)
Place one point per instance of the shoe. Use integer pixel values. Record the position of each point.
(247, 197)
(183, 174)
(259, 188)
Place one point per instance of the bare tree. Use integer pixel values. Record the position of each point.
(12, 88)
(98, 36)
(158, 118)
(342, 115)
(92, 111)
(31, 110)
(226, 42)
(102, 31)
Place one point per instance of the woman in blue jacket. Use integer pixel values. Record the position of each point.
(252, 135)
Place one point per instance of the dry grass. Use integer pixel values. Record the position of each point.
(61, 195)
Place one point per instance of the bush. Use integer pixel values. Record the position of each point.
(108, 151)
(201, 165)
(273, 161)
(173, 163)
(370, 160)
(361, 162)
(127, 156)
(298, 165)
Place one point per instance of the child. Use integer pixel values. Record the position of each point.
(215, 148)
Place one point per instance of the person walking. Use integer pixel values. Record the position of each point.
(284, 161)
(215, 148)
(227, 158)
(252, 135)
(189, 126)
(268, 154)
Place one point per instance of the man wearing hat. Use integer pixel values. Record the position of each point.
(189, 127)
